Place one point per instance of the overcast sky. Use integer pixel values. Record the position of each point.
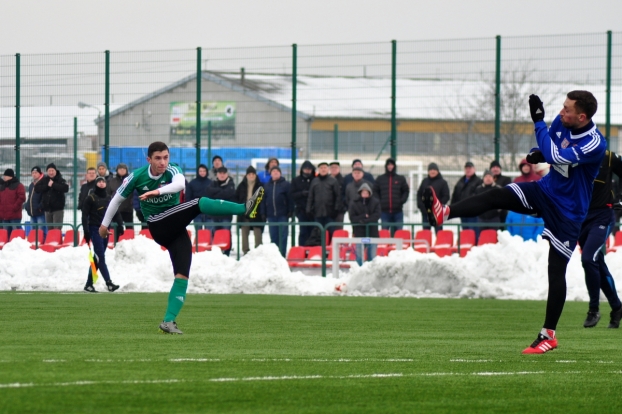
(29, 26)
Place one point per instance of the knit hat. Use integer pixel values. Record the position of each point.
(37, 169)
(217, 156)
(122, 165)
(354, 161)
(100, 178)
(469, 164)
(51, 165)
(357, 169)
(433, 166)
(102, 164)
(251, 169)
(222, 169)
(9, 172)
(488, 172)
(276, 167)
(495, 163)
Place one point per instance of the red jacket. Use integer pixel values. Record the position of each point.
(526, 178)
(12, 198)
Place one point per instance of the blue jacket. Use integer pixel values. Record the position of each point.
(277, 200)
(526, 232)
(33, 205)
(575, 157)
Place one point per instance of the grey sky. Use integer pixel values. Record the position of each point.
(29, 26)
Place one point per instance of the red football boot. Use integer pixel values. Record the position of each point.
(437, 213)
(543, 343)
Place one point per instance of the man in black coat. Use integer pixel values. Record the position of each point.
(465, 188)
(435, 180)
(244, 192)
(348, 178)
(196, 189)
(335, 172)
(501, 180)
(300, 194)
(222, 188)
(352, 191)
(324, 201)
(33, 204)
(392, 190)
(53, 188)
(88, 186)
(365, 211)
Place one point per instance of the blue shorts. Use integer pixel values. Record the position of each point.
(561, 232)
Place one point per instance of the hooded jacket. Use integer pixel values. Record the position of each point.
(86, 189)
(94, 209)
(198, 186)
(363, 211)
(391, 189)
(33, 203)
(54, 196)
(465, 189)
(277, 200)
(12, 197)
(526, 178)
(300, 188)
(324, 198)
(440, 186)
(264, 176)
(242, 192)
(352, 192)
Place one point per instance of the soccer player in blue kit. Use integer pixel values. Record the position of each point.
(575, 149)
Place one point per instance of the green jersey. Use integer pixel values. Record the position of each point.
(143, 181)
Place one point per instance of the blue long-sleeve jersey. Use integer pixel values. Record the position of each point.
(575, 158)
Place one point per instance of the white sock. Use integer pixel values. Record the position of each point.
(545, 332)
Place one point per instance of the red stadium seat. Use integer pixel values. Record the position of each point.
(443, 246)
(403, 234)
(68, 240)
(202, 240)
(467, 241)
(18, 233)
(128, 234)
(487, 237)
(420, 236)
(4, 237)
(35, 238)
(222, 239)
(146, 233)
(296, 255)
(53, 240)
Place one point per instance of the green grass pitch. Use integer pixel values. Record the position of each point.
(76, 353)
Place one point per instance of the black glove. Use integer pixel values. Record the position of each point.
(536, 108)
(535, 157)
(87, 237)
(120, 230)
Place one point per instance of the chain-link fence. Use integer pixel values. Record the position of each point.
(445, 101)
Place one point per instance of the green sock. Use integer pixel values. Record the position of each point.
(220, 207)
(176, 299)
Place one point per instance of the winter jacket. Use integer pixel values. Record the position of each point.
(392, 190)
(222, 190)
(94, 209)
(324, 198)
(277, 200)
(440, 186)
(264, 176)
(86, 189)
(348, 179)
(197, 187)
(501, 180)
(490, 214)
(465, 189)
(12, 197)
(352, 192)
(342, 190)
(241, 194)
(300, 188)
(363, 211)
(112, 187)
(526, 178)
(54, 196)
(33, 203)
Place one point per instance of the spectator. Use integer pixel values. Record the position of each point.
(12, 198)
(490, 216)
(102, 171)
(138, 210)
(265, 176)
(195, 189)
(365, 210)
(392, 190)
(465, 188)
(33, 204)
(53, 187)
(352, 191)
(216, 164)
(88, 186)
(335, 172)
(324, 201)
(348, 178)
(126, 209)
(436, 181)
(501, 181)
(244, 192)
(514, 221)
(222, 188)
(278, 206)
(527, 174)
(300, 194)
(93, 211)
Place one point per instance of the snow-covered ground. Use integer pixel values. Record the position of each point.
(511, 269)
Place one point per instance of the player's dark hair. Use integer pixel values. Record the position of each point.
(155, 147)
(585, 102)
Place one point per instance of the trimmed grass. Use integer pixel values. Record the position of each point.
(282, 354)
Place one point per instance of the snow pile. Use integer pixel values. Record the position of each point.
(510, 269)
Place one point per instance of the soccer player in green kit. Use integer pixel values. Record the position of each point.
(159, 185)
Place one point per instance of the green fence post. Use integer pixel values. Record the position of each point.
(498, 99)
(17, 115)
(294, 89)
(198, 127)
(336, 141)
(209, 143)
(393, 99)
(75, 171)
(107, 112)
(608, 92)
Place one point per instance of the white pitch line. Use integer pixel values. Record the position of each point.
(81, 383)
(474, 360)
(194, 360)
